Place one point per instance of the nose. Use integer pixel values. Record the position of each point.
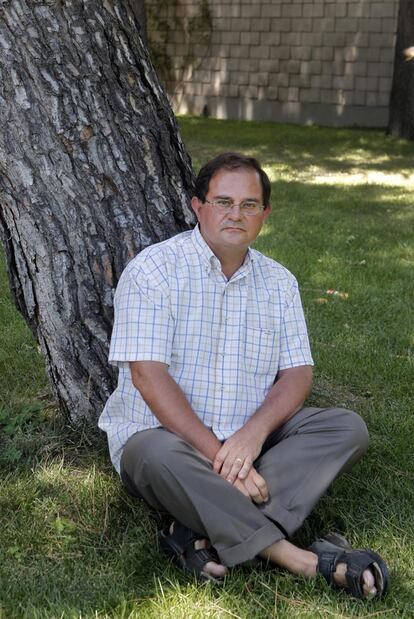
(235, 212)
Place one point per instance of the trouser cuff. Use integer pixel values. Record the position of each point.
(250, 548)
(288, 521)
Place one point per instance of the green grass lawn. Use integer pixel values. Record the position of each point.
(74, 545)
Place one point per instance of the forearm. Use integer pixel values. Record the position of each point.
(284, 399)
(170, 406)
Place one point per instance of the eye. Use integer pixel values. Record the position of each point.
(250, 205)
(223, 203)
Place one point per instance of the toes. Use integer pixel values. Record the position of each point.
(212, 567)
(215, 569)
(368, 586)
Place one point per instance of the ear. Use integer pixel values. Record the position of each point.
(196, 205)
(266, 212)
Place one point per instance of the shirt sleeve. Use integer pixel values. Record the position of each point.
(143, 326)
(294, 340)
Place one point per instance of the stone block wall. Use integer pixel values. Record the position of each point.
(323, 61)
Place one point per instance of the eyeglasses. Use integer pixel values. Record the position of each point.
(247, 207)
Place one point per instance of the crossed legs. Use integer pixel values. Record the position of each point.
(299, 461)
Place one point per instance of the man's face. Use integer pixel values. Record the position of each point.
(234, 230)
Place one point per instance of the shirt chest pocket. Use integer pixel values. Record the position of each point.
(261, 351)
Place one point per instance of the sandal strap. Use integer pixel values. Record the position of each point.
(357, 561)
(183, 536)
(327, 562)
(175, 544)
(195, 560)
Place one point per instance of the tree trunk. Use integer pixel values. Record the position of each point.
(92, 171)
(401, 122)
(140, 11)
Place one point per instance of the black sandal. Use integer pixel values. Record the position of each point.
(334, 548)
(179, 546)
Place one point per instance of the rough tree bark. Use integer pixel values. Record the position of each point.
(92, 170)
(140, 11)
(401, 121)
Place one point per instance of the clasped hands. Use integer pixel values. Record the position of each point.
(234, 461)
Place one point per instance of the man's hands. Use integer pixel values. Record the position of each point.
(236, 456)
(234, 462)
(253, 486)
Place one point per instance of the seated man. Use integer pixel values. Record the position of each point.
(207, 422)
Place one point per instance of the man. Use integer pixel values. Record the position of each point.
(207, 421)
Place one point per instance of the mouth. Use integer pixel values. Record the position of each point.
(233, 228)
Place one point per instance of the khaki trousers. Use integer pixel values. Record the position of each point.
(298, 461)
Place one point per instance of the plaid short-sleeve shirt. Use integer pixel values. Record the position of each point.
(224, 341)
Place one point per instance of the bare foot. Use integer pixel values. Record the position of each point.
(305, 563)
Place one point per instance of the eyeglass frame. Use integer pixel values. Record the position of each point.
(230, 208)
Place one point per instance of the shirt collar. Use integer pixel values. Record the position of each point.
(210, 259)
